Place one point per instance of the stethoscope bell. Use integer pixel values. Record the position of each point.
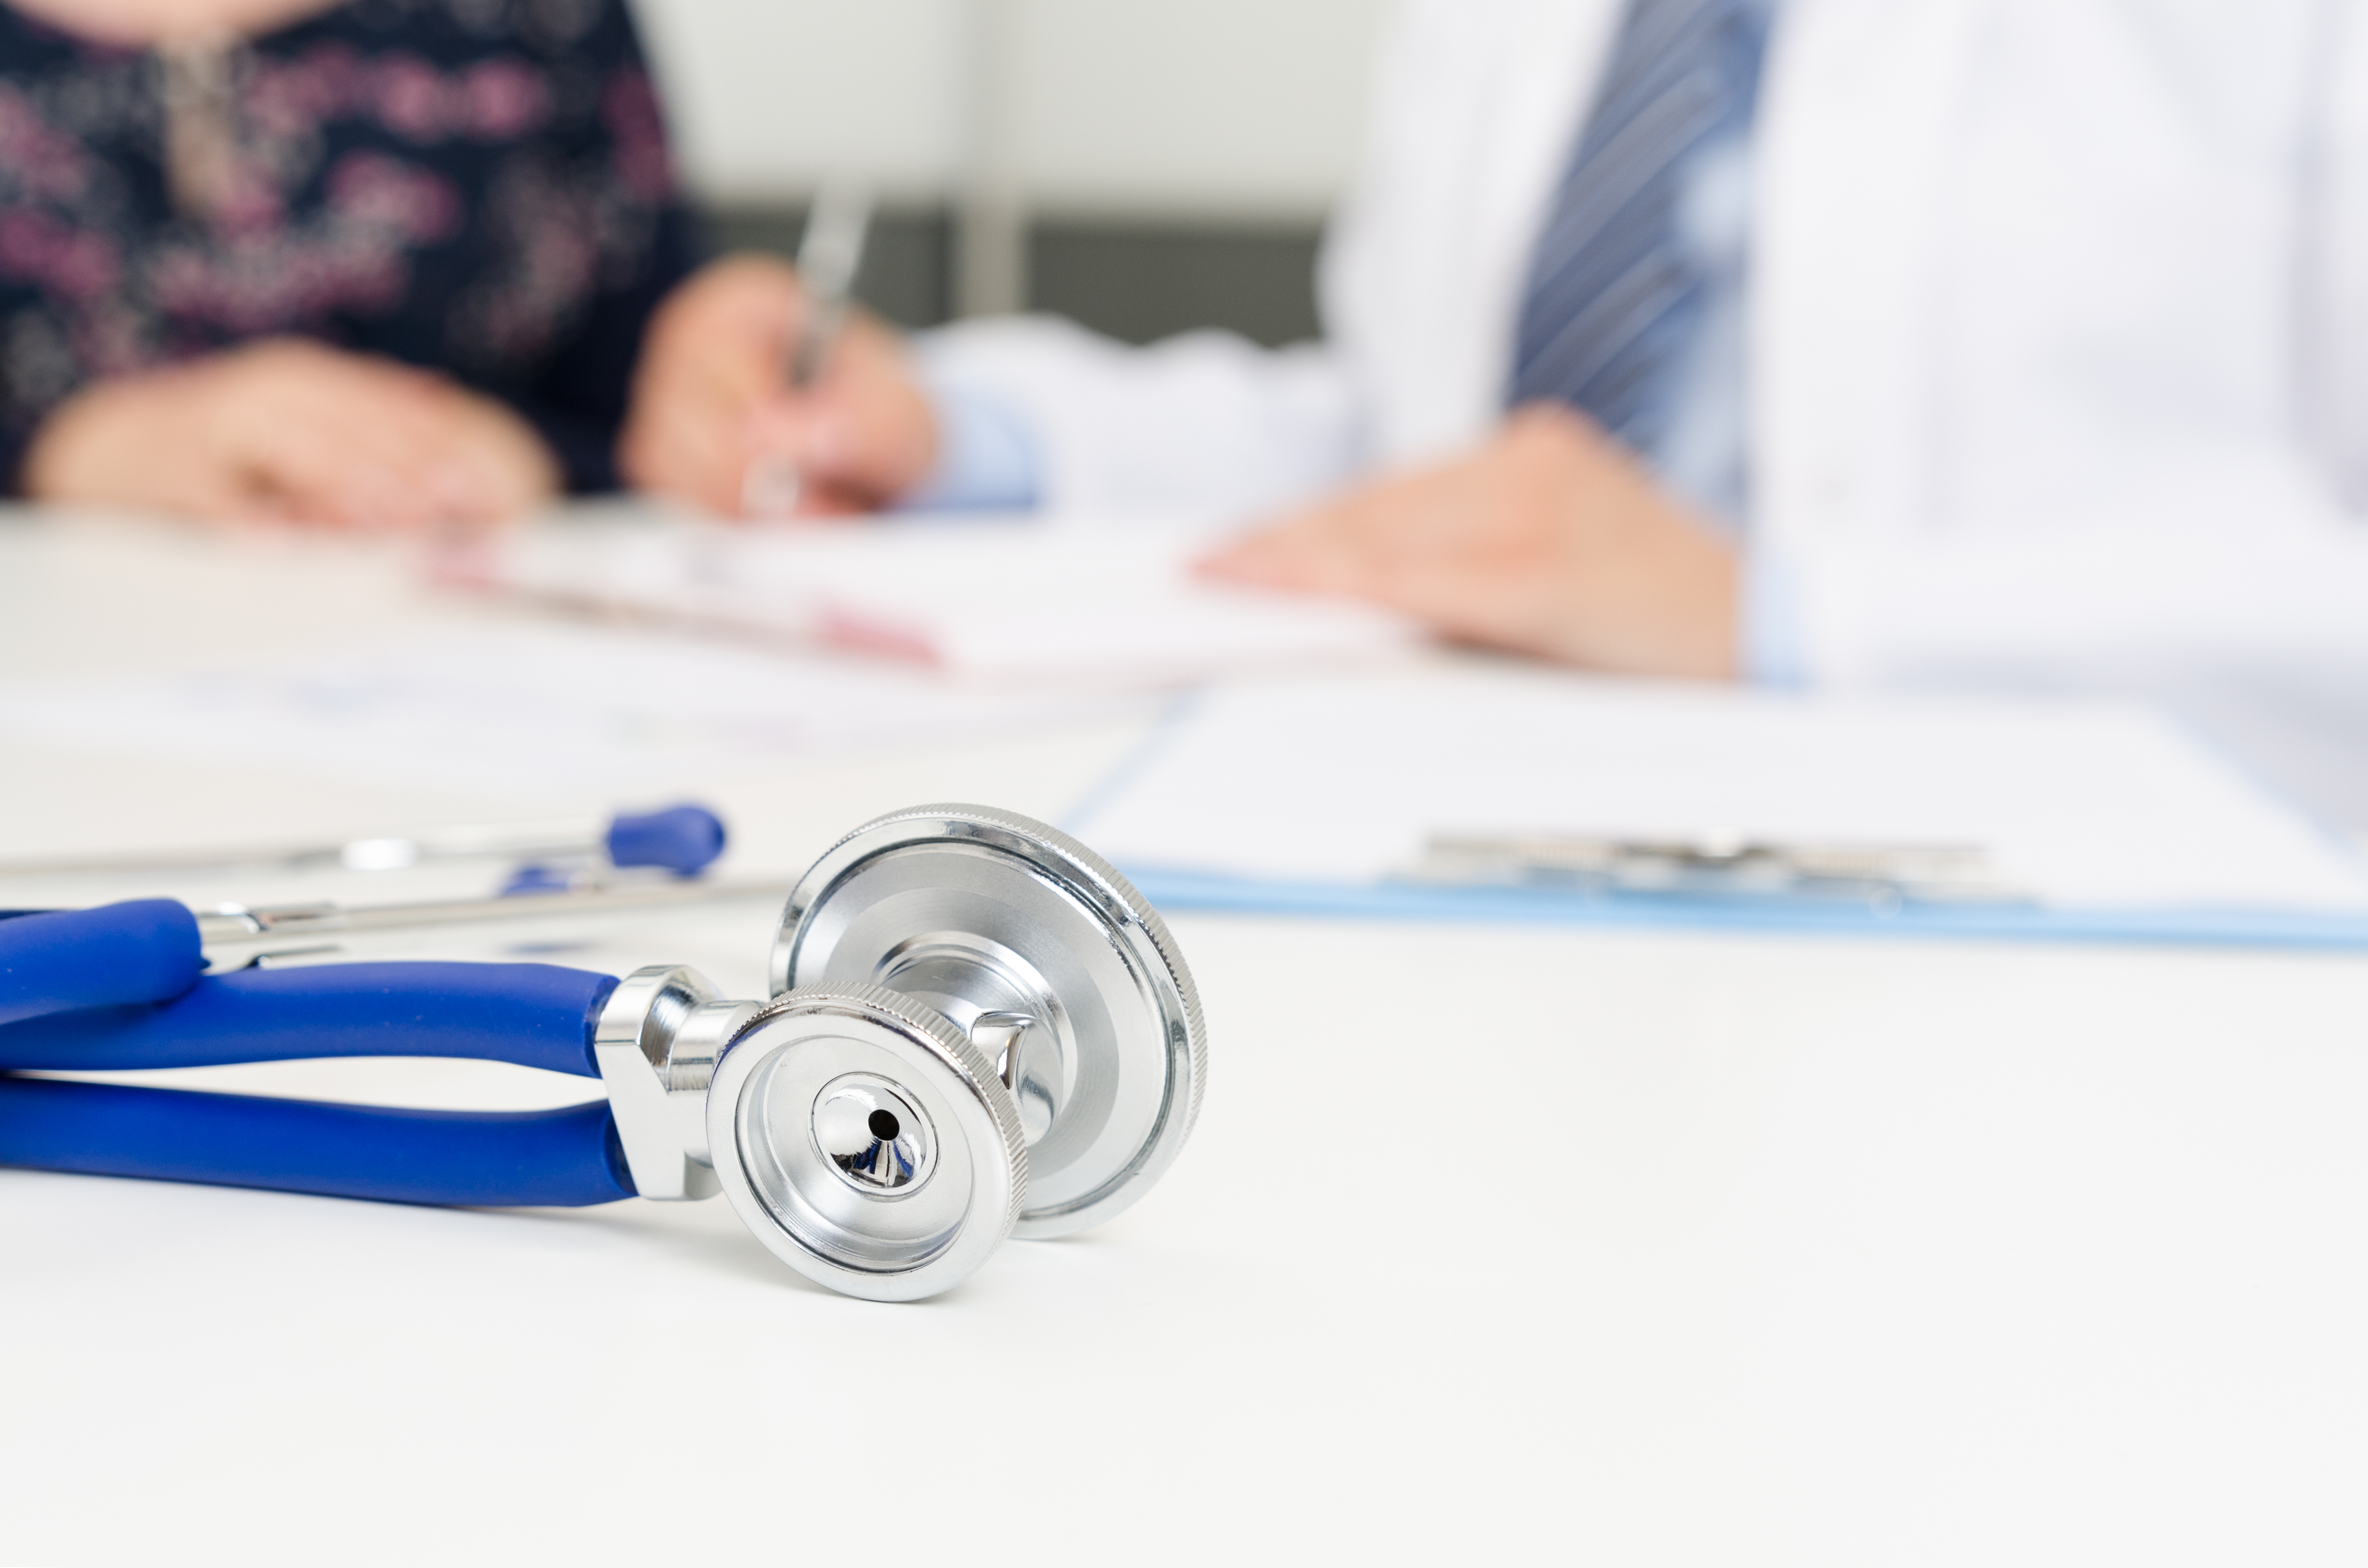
(979, 1029)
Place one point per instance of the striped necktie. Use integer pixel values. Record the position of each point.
(1614, 297)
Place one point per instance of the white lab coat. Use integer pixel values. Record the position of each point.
(2060, 337)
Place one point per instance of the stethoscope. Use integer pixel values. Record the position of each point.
(977, 1029)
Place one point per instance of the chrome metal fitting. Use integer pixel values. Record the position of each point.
(656, 1044)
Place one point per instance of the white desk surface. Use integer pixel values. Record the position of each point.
(1576, 1246)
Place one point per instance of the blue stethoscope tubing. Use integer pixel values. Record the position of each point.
(122, 987)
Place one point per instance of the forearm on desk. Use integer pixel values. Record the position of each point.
(1206, 423)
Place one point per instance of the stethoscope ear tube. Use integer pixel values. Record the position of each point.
(566, 1158)
(117, 955)
(531, 1013)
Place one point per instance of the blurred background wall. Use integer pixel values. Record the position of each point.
(1144, 166)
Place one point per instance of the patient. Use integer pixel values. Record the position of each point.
(351, 266)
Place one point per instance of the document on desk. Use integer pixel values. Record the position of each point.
(1499, 792)
(1095, 602)
(535, 708)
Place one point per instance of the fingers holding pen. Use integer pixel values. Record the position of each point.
(713, 355)
(861, 435)
(716, 404)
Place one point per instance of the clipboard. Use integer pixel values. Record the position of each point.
(2051, 819)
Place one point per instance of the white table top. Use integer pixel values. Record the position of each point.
(1580, 1244)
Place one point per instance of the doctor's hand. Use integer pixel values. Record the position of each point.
(1551, 539)
(289, 430)
(712, 399)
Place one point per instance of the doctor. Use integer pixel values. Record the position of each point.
(1851, 341)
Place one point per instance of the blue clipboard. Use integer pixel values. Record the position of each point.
(2302, 930)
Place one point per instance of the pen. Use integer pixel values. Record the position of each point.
(829, 257)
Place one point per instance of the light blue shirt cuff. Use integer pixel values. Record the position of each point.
(1772, 625)
(987, 456)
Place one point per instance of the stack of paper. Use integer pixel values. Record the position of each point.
(2097, 819)
(980, 599)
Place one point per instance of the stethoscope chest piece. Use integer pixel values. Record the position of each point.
(866, 1141)
(1046, 961)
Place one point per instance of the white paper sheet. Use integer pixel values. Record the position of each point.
(1076, 602)
(1344, 780)
(533, 708)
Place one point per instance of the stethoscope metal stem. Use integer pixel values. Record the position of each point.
(683, 839)
(239, 936)
(520, 841)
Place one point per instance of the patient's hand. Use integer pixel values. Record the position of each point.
(711, 398)
(1550, 539)
(289, 430)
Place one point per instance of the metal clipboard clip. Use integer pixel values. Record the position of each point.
(1717, 866)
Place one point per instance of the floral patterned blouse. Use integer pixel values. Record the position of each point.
(481, 187)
